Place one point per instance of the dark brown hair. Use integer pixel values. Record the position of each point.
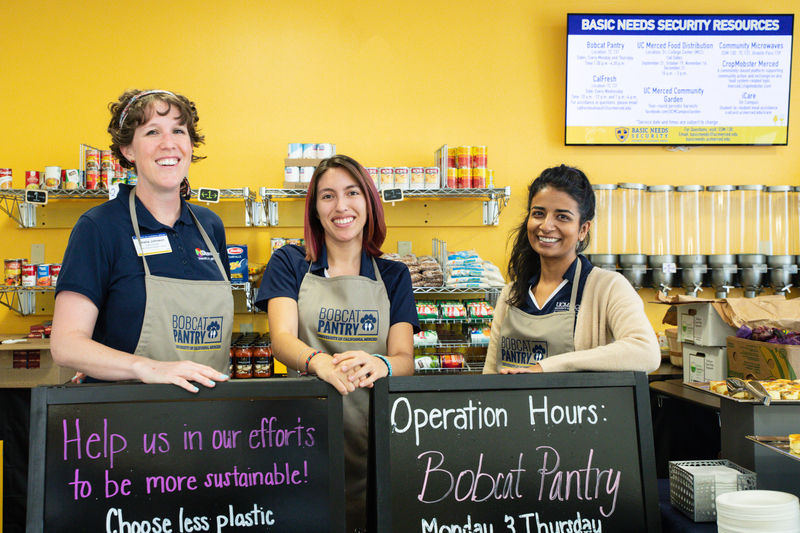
(375, 227)
(141, 111)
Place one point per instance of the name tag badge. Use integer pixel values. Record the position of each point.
(157, 243)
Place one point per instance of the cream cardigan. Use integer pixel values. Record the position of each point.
(612, 331)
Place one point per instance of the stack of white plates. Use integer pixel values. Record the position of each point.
(758, 511)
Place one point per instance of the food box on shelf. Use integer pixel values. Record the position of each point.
(750, 359)
(704, 363)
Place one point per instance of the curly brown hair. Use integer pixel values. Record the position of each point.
(141, 111)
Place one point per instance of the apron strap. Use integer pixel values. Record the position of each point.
(135, 221)
(374, 266)
(575, 279)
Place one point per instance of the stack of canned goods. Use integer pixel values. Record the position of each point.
(406, 178)
(295, 174)
(466, 168)
(103, 169)
(20, 273)
(279, 242)
(251, 356)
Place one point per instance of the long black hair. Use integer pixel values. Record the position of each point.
(525, 262)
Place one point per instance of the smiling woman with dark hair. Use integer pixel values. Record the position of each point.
(559, 313)
(338, 311)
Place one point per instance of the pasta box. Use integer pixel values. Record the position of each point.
(750, 359)
(237, 258)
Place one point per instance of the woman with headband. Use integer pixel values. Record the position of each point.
(144, 291)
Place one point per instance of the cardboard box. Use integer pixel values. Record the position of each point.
(704, 363)
(749, 359)
(47, 373)
(701, 324)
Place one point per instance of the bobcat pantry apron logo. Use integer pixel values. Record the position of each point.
(348, 325)
(197, 332)
(521, 351)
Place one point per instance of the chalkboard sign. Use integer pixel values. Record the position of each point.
(392, 195)
(524, 453)
(36, 196)
(242, 457)
(208, 195)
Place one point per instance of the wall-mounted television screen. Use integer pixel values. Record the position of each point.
(678, 79)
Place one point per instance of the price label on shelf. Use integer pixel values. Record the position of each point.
(208, 195)
(392, 195)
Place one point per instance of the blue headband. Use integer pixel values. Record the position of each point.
(136, 97)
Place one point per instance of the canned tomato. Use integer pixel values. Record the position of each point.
(401, 177)
(5, 178)
(417, 178)
(92, 159)
(32, 179)
(55, 270)
(387, 177)
(478, 178)
(452, 177)
(13, 269)
(106, 160)
(478, 157)
(464, 178)
(28, 275)
(92, 179)
(463, 156)
(43, 275)
(106, 177)
(432, 180)
(451, 157)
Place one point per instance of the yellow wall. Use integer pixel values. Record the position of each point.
(388, 82)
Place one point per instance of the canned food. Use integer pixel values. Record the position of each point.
(92, 179)
(55, 270)
(296, 242)
(130, 177)
(432, 180)
(387, 177)
(464, 178)
(28, 275)
(401, 177)
(295, 150)
(417, 178)
(452, 177)
(478, 157)
(453, 360)
(489, 178)
(106, 177)
(478, 178)
(52, 177)
(92, 159)
(13, 269)
(373, 174)
(451, 157)
(463, 156)
(72, 179)
(424, 362)
(43, 275)
(309, 150)
(291, 174)
(276, 243)
(106, 160)
(324, 150)
(32, 179)
(5, 178)
(306, 173)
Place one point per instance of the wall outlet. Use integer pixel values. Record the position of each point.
(37, 254)
(403, 247)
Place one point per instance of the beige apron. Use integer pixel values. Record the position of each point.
(185, 319)
(337, 315)
(527, 339)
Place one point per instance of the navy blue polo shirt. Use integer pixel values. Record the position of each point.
(288, 266)
(560, 301)
(101, 262)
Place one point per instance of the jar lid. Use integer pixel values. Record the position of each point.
(635, 186)
(603, 186)
(716, 188)
(779, 188)
(750, 187)
(689, 188)
(660, 188)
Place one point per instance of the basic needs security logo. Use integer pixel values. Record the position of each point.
(622, 134)
(348, 325)
(521, 352)
(197, 332)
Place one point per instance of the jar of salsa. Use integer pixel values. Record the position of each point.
(262, 360)
(244, 361)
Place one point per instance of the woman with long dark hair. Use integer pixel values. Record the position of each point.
(558, 313)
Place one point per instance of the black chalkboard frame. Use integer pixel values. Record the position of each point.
(380, 451)
(300, 388)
